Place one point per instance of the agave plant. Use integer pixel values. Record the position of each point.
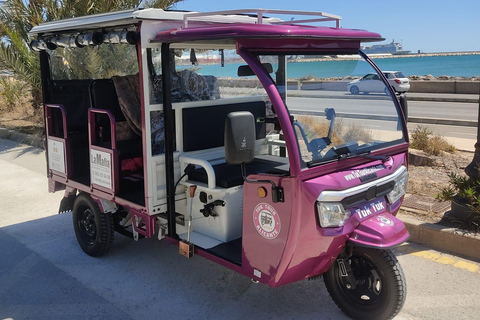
(17, 17)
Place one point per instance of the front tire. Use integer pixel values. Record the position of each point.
(380, 286)
(354, 90)
(94, 229)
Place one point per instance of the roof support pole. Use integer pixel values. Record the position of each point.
(169, 140)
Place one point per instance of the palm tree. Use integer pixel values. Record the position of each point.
(17, 17)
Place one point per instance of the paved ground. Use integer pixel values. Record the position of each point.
(45, 275)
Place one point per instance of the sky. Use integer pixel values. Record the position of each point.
(425, 25)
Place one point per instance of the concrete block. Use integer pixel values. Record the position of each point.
(442, 238)
(445, 86)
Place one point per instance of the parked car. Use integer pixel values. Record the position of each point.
(372, 83)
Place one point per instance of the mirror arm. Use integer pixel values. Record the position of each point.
(277, 191)
(330, 113)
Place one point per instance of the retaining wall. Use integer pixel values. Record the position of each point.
(445, 86)
(424, 86)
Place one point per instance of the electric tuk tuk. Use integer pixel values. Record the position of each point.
(231, 135)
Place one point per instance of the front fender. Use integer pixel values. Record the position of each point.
(380, 231)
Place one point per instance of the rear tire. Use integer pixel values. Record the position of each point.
(380, 290)
(94, 229)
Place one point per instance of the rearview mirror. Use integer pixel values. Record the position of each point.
(239, 137)
(245, 71)
(402, 99)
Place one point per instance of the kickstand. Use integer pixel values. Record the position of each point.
(185, 248)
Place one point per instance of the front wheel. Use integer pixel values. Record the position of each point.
(375, 287)
(354, 90)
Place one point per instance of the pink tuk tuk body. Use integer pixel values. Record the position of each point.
(316, 174)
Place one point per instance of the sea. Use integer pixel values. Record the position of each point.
(442, 65)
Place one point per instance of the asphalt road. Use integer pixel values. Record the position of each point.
(460, 136)
(375, 104)
(45, 275)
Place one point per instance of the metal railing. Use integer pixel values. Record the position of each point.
(320, 16)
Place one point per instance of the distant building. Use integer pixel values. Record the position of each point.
(392, 47)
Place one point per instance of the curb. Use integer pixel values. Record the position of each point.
(446, 99)
(411, 96)
(24, 138)
(445, 122)
(442, 238)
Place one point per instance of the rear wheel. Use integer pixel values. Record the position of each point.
(354, 90)
(94, 229)
(375, 288)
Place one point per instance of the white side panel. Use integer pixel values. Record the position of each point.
(56, 155)
(101, 168)
(226, 225)
(158, 179)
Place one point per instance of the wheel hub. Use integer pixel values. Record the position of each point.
(367, 286)
(87, 224)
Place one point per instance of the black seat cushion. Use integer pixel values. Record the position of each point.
(203, 127)
(127, 149)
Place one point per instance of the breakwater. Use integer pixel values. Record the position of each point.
(432, 54)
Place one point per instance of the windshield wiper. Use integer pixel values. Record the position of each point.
(366, 154)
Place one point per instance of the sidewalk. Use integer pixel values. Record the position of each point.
(21, 137)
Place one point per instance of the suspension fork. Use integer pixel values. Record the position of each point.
(345, 269)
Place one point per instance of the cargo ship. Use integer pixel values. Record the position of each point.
(392, 48)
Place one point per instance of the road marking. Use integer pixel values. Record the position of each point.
(439, 257)
(461, 134)
(427, 255)
(466, 265)
(446, 260)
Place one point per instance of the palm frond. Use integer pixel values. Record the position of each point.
(11, 60)
(17, 17)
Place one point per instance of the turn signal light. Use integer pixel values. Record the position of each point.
(262, 192)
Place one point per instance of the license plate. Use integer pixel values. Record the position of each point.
(371, 208)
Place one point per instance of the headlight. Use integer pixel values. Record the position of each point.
(399, 189)
(332, 214)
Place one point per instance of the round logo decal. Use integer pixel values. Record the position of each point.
(384, 221)
(266, 221)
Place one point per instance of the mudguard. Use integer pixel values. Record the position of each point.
(66, 205)
(380, 231)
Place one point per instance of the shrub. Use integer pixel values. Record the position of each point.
(465, 193)
(423, 139)
(318, 128)
(466, 188)
(12, 91)
(356, 132)
(437, 144)
(420, 138)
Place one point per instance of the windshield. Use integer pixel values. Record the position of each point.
(339, 104)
